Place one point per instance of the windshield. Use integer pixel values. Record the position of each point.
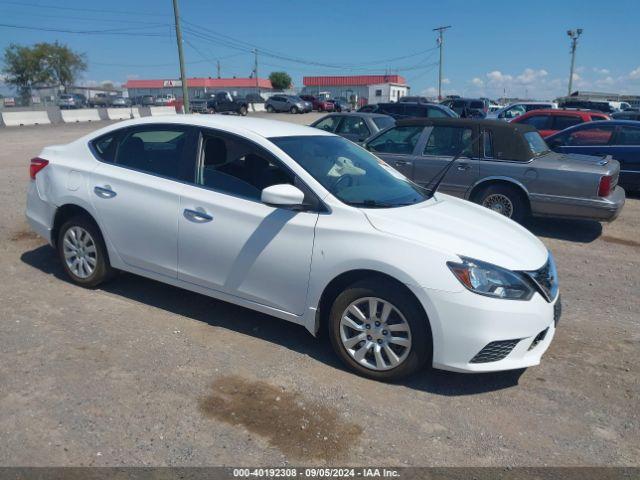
(383, 122)
(350, 173)
(536, 143)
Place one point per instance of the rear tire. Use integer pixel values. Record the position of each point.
(243, 111)
(294, 110)
(211, 110)
(270, 109)
(506, 200)
(83, 253)
(407, 323)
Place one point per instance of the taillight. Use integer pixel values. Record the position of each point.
(37, 164)
(604, 189)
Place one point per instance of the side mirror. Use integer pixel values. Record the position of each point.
(283, 195)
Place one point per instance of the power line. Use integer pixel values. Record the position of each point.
(79, 9)
(114, 31)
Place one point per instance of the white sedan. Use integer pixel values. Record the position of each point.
(306, 226)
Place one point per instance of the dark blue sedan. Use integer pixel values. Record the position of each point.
(618, 138)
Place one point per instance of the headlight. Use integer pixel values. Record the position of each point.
(490, 280)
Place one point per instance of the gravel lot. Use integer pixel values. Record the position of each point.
(141, 373)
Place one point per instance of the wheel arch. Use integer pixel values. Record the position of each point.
(342, 281)
(477, 187)
(64, 213)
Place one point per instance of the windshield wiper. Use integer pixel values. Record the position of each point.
(442, 173)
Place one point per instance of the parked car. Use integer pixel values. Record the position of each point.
(601, 106)
(355, 126)
(71, 100)
(619, 139)
(253, 98)
(412, 110)
(144, 100)
(468, 107)
(285, 103)
(120, 102)
(100, 100)
(505, 167)
(341, 105)
(274, 216)
(626, 115)
(553, 120)
(413, 99)
(318, 103)
(516, 109)
(224, 102)
(164, 99)
(494, 107)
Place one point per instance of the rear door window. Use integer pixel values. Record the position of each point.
(448, 141)
(598, 136)
(166, 151)
(541, 122)
(560, 122)
(398, 140)
(436, 113)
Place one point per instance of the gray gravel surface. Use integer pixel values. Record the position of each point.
(141, 373)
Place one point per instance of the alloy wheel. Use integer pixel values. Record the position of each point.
(80, 252)
(375, 333)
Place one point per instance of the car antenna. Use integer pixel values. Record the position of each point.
(438, 177)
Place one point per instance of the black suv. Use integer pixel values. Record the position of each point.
(468, 107)
(410, 110)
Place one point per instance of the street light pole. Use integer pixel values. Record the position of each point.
(440, 31)
(183, 72)
(573, 35)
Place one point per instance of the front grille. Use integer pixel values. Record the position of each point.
(495, 351)
(546, 279)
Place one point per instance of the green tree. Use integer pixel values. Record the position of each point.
(62, 65)
(43, 64)
(280, 80)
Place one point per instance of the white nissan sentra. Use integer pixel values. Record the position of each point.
(306, 226)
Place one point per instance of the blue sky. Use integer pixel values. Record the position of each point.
(494, 47)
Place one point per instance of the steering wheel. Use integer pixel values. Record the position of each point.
(342, 178)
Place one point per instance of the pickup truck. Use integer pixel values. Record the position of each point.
(219, 102)
(100, 100)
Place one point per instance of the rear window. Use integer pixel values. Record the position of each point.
(536, 143)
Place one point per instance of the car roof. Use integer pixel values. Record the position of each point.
(561, 111)
(468, 122)
(359, 114)
(259, 126)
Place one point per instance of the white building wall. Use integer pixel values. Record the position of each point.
(386, 92)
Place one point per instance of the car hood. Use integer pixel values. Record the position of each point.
(463, 228)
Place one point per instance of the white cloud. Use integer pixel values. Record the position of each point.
(446, 81)
(530, 76)
(496, 77)
(477, 82)
(634, 74)
(601, 71)
(604, 82)
(429, 92)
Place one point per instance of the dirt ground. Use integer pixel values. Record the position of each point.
(141, 373)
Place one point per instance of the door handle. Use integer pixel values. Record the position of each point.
(402, 163)
(197, 216)
(104, 192)
(463, 166)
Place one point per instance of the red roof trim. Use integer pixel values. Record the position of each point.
(338, 81)
(204, 82)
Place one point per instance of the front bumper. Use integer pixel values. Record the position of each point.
(467, 327)
(600, 209)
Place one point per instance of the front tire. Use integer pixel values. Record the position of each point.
(243, 111)
(379, 330)
(270, 109)
(294, 110)
(211, 110)
(505, 200)
(83, 253)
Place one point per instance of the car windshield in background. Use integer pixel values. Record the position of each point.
(536, 143)
(383, 122)
(350, 173)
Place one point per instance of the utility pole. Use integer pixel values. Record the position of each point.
(183, 72)
(573, 35)
(440, 31)
(255, 69)
(218, 65)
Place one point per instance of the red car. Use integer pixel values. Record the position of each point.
(554, 120)
(319, 104)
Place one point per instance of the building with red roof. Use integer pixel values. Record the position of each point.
(198, 86)
(362, 89)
